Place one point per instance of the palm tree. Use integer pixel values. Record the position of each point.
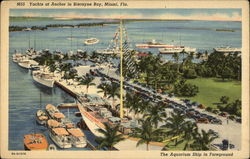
(111, 136)
(113, 92)
(155, 114)
(135, 104)
(176, 57)
(146, 133)
(203, 140)
(175, 124)
(86, 80)
(104, 88)
(190, 131)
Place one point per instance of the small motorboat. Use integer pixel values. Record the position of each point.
(91, 41)
(36, 141)
(41, 117)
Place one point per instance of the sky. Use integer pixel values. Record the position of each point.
(183, 14)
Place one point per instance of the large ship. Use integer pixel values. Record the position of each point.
(43, 78)
(227, 49)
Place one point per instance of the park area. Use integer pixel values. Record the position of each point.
(211, 89)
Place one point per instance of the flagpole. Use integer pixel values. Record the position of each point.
(121, 75)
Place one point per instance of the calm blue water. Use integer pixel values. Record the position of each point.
(24, 94)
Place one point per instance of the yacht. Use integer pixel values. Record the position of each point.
(227, 49)
(43, 78)
(91, 41)
(51, 109)
(17, 57)
(152, 44)
(27, 63)
(171, 50)
(176, 49)
(77, 137)
(60, 137)
(114, 51)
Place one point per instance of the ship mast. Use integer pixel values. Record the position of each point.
(121, 75)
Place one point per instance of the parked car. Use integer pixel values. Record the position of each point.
(223, 114)
(238, 119)
(202, 120)
(216, 121)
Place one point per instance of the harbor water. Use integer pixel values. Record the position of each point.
(24, 93)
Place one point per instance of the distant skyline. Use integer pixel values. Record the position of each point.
(177, 14)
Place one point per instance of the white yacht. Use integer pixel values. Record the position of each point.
(171, 50)
(108, 51)
(44, 78)
(60, 137)
(77, 137)
(91, 41)
(27, 63)
(17, 57)
(176, 49)
(227, 49)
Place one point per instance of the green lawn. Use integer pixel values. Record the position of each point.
(211, 89)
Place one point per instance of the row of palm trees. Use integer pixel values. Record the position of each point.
(173, 131)
(176, 128)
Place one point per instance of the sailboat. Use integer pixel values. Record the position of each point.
(114, 48)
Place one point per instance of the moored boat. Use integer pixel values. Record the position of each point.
(60, 137)
(77, 137)
(170, 50)
(27, 63)
(152, 44)
(176, 49)
(51, 109)
(227, 49)
(34, 142)
(108, 51)
(43, 78)
(41, 117)
(91, 41)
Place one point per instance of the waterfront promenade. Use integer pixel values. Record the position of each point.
(73, 88)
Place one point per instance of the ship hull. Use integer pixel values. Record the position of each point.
(91, 122)
(24, 65)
